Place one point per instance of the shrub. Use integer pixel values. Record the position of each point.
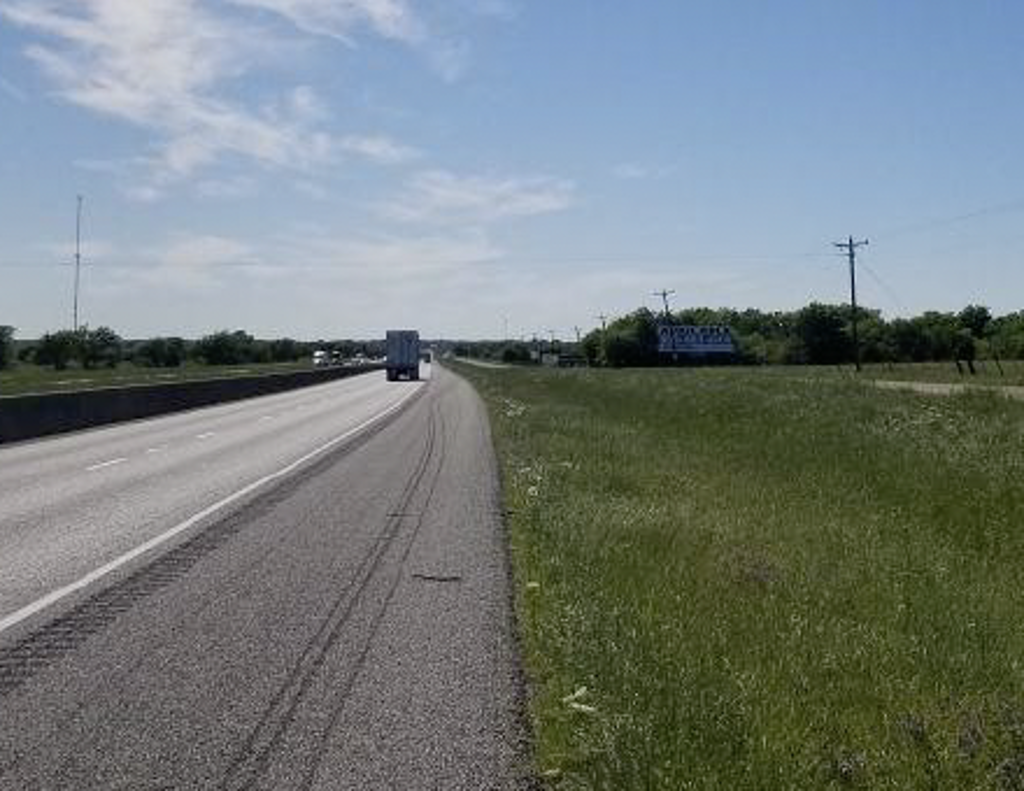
(160, 353)
(6, 346)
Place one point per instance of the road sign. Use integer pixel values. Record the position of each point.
(693, 339)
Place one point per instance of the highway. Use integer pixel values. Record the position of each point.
(306, 590)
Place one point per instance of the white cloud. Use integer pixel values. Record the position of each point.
(167, 65)
(233, 187)
(392, 19)
(12, 90)
(378, 148)
(205, 251)
(93, 250)
(635, 171)
(205, 263)
(438, 195)
(337, 18)
(386, 257)
(194, 262)
(630, 171)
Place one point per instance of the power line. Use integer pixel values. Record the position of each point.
(890, 292)
(929, 225)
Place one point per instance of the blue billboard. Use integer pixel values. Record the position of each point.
(694, 339)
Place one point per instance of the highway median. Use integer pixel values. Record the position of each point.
(34, 415)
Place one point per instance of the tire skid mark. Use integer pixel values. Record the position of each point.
(255, 758)
(316, 758)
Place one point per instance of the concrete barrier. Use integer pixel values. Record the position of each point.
(29, 416)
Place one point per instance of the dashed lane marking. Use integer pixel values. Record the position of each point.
(105, 464)
(16, 617)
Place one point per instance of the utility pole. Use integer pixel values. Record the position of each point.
(78, 261)
(665, 294)
(506, 329)
(851, 248)
(603, 319)
(577, 335)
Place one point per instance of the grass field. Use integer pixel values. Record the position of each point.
(987, 373)
(727, 580)
(35, 379)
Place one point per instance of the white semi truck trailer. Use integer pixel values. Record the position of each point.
(403, 348)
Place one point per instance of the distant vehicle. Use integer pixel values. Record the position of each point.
(321, 358)
(403, 349)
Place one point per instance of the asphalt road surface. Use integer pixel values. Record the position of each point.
(306, 590)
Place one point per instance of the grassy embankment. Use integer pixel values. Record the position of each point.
(36, 379)
(731, 580)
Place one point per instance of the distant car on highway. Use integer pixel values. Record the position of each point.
(321, 358)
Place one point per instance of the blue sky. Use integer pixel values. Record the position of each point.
(331, 168)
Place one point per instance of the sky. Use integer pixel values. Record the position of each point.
(483, 168)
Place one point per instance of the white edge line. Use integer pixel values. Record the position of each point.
(103, 464)
(55, 596)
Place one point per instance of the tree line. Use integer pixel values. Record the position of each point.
(818, 334)
(103, 348)
(821, 334)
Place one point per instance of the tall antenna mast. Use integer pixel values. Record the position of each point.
(78, 261)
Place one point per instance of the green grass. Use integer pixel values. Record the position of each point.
(36, 379)
(727, 580)
(987, 373)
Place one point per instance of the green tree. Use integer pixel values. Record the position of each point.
(285, 350)
(977, 319)
(6, 346)
(160, 353)
(57, 349)
(965, 346)
(876, 342)
(225, 348)
(1007, 339)
(515, 353)
(909, 340)
(632, 340)
(99, 347)
(591, 347)
(941, 331)
(821, 332)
